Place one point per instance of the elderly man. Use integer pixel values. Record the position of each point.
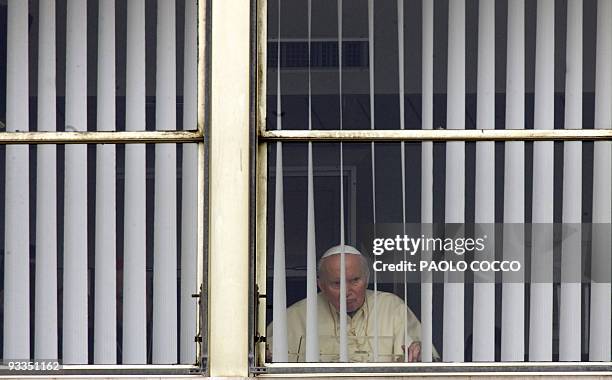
(362, 312)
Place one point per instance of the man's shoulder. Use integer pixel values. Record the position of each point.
(300, 306)
(296, 313)
(297, 306)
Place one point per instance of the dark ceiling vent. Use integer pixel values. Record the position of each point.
(324, 54)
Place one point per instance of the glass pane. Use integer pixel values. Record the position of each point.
(357, 76)
(132, 279)
(138, 82)
(499, 254)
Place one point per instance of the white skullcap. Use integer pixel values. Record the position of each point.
(336, 250)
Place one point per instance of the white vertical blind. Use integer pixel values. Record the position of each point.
(400, 48)
(79, 292)
(513, 296)
(279, 295)
(189, 197)
(17, 245)
(165, 332)
(343, 317)
(513, 312)
(373, 159)
(164, 225)
(599, 342)
(45, 308)
(75, 190)
(105, 327)
(541, 295)
(134, 259)
(455, 176)
(571, 259)
(279, 347)
(312, 330)
(427, 174)
(484, 292)
(312, 326)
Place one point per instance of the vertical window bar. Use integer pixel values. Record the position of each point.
(599, 342)
(17, 247)
(455, 176)
(164, 224)
(427, 175)
(570, 304)
(279, 321)
(45, 309)
(312, 329)
(105, 325)
(513, 296)
(541, 299)
(189, 197)
(484, 286)
(75, 312)
(134, 257)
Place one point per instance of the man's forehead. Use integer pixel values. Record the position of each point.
(332, 263)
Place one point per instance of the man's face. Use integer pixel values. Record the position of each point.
(356, 282)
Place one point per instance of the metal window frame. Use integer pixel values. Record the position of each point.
(260, 367)
(198, 136)
(102, 137)
(439, 135)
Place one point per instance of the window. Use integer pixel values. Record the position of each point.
(478, 119)
(102, 204)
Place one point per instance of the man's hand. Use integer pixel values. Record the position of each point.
(414, 352)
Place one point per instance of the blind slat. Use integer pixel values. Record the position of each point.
(600, 317)
(400, 48)
(372, 90)
(541, 295)
(312, 325)
(484, 292)
(343, 318)
(453, 317)
(312, 329)
(279, 339)
(570, 303)
(45, 315)
(134, 260)
(105, 326)
(513, 306)
(279, 292)
(427, 174)
(189, 196)
(17, 246)
(164, 224)
(75, 314)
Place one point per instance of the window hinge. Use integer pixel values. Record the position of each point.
(259, 370)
